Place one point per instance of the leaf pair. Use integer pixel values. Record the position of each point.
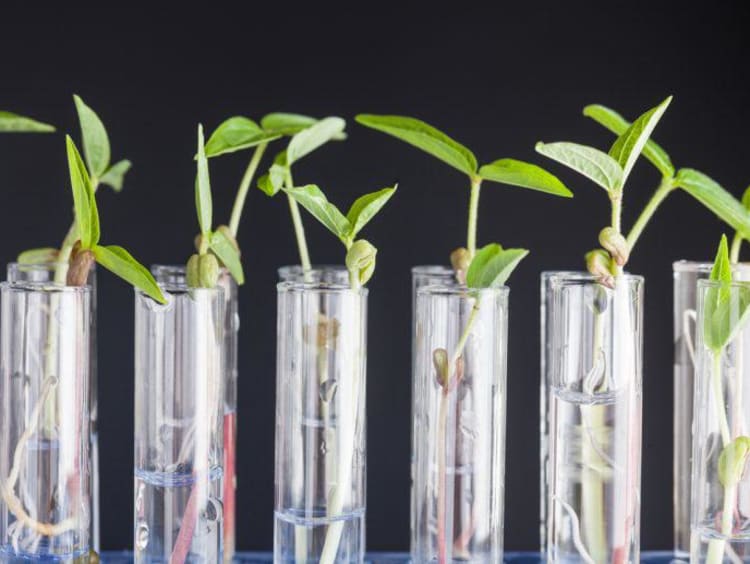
(608, 170)
(303, 142)
(726, 307)
(238, 133)
(436, 143)
(96, 148)
(492, 266)
(345, 227)
(217, 241)
(112, 257)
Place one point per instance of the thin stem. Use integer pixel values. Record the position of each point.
(247, 178)
(471, 235)
(734, 252)
(726, 435)
(616, 200)
(665, 187)
(299, 229)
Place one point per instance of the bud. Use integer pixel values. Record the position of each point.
(228, 234)
(599, 263)
(78, 272)
(360, 261)
(191, 272)
(732, 461)
(460, 261)
(440, 362)
(616, 244)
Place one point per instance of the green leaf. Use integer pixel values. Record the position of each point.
(273, 181)
(709, 193)
(628, 146)
(588, 161)
(746, 198)
(86, 214)
(228, 254)
(121, 263)
(525, 175)
(289, 124)
(365, 207)
(492, 265)
(424, 137)
(13, 123)
(115, 175)
(314, 201)
(203, 203)
(307, 140)
(95, 139)
(732, 461)
(618, 125)
(726, 307)
(235, 134)
(38, 256)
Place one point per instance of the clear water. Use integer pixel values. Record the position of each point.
(707, 541)
(595, 464)
(300, 539)
(175, 520)
(49, 497)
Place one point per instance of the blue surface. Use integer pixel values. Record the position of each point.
(653, 557)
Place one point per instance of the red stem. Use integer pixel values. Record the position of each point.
(189, 521)
(229, 481)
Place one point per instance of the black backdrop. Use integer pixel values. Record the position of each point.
(497, 79)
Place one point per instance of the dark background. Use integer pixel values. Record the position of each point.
(498, 79)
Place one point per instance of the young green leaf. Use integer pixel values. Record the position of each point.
(524, 175)
(492, 265)
(271, 183)
(121, 263)
(307, 140)
(228, 254)
(235, 134)
(732, 461)
(629, 145)
(13, 123)
(314, 201)
(726, 307)
(618, 125)
(425, 137)
(86, 214)
(715, 198)
(746, 198)
(289, 124)
(95, 139)
(365, 207)
(115, 175)
(38, 256)
(203, 203)
(588, 161)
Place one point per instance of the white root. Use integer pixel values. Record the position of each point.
(576, 526)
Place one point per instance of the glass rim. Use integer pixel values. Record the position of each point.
(432, 269)
(43, 287)
(180, 289)
(700, 266)
(583, 279)
(705, 284)
(571, 274)
(44, 265)
(289, 286)
(460, 290)
(313, 268)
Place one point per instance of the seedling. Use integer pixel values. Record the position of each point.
(360, 262)
(488, 267)
(240, 133)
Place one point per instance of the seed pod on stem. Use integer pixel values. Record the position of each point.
(616, 244)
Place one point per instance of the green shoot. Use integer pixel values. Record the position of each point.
(360, 254)
(503, 171)
(14, 123)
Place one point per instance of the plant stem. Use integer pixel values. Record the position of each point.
(299, 229)
(471, 235)
(442, 437)
(665, 187)
(247, 178)
(726, 435)
(734, 252)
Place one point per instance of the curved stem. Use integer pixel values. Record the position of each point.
(471, 235)
(247, 178)
(299, 229)
(734, 252)
(616, 200)
(665, 187)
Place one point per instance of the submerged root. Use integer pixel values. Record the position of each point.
(576, 530)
